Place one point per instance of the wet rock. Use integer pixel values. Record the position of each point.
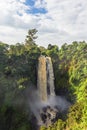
(49, 115)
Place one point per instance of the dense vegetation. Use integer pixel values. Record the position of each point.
(18, 72)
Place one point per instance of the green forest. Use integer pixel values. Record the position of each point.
(18, 72)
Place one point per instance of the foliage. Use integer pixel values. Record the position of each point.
(18, 71)
(30, 38)
(70, 69)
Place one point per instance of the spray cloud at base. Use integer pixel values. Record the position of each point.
(41, 109)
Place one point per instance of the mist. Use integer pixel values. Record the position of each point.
(36, 105)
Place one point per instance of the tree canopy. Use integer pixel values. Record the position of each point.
(18, 72)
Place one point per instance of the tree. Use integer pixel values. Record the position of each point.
(30, 38)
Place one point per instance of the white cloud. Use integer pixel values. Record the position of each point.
(40, 4)
(65, 21)
(68, 19)
(14, 21)
(12, 34)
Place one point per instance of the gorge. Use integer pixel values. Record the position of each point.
(44, 103)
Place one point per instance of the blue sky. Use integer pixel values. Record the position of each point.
(35, 10)
(57, 21)
(30, 2)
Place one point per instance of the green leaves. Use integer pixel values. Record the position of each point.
(30, 38)
(18, 70)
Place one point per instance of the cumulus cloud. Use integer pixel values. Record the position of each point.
(40, 4)
(14, 21)
(69, 19)
(64, 21)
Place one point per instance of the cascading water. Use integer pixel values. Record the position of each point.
(42, 78)
(50, 76)
(45, 82)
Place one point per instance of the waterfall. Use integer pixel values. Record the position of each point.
(44, 104)
(50, 76)
(45, 78)
(42, 78)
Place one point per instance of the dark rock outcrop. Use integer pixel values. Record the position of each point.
(48, 115)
